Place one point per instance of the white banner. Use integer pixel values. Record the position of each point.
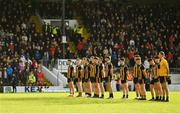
(9, 89)
(62, 64)
(29, 89)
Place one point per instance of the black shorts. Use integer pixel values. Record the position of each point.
(86, 80)
(83, 80)
(144, 78)
(92, 79)
(156, 80)
(163, 79)
(97, 79)
(70, 80)
(123, 81)
(135, 80)
(108, 79)
(141, 81)
(78, 80)
(100, 80)
(152, 81)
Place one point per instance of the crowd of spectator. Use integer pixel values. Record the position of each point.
(20, 49)
(114, 29)
(52, 10)
(123, 30)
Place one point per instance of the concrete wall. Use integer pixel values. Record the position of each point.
(54, 79)
(175, 78)
(60, 76)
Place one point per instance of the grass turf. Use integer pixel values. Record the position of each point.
(60, 103)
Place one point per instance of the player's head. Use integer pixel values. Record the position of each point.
(69, 61)
(84, 60)
(96, 60)
(78, 61)
(122, 61)
(161, 54)
(138, 60)
(92, 59)
(100, 60)
(156, 59)
(151, 61)
(136, 56)
(107, 59)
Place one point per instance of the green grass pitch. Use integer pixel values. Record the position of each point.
(60, 103)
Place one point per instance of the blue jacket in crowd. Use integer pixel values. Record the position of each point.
(9, 71)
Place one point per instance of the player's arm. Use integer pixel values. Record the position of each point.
(165, 63)
(103, 71)
(127, 70)
(73, 72)
(111, 71)
(82, 73)
(144, 71)
(150, 72)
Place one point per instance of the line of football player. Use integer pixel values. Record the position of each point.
(91, 73)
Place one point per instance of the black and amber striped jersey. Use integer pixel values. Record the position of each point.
(135, 74)
(96, 71)
(123, 72)
(108, 69)
(139, 71)
(79, 72)
(101, 70)
(91, 70)
(70, 72)
(86, 72)
(154, 71)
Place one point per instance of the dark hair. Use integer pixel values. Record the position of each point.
(108, 57)
(69, 60)
(96, 58)
(122, 59)
(138, 58)
(156, 57)
(150, 59)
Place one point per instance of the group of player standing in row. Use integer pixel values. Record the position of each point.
(91, 73)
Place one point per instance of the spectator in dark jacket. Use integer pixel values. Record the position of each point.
(37, 55)
(14, 82)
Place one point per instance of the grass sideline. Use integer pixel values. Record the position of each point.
(49, 103)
